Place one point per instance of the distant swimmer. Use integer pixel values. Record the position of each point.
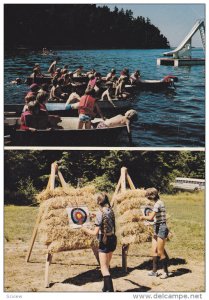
(17, 81)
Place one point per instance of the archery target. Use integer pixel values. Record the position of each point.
(78, 216)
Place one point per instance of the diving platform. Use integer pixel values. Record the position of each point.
(177, 62)
(182, 55)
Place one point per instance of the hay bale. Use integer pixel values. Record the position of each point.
(130, 230)
(68, 190)
(56, 233)
(54, 228)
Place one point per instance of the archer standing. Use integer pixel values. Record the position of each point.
(105, 230)
(160, 232)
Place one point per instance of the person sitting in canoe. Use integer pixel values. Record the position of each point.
(111, 76)
(35, 74)
(37, 66)
(122, 81)
(91, 72)
(63, 70)
(109, 94)
(34, 88)
(33, 109)
(57, 74)
(42, 98)
(78, 72)
(56, 93)
(92, 84)
(29, 98)
(53, 66)
(135, 77)
(44, 88)
(86, 109)
(119, 120)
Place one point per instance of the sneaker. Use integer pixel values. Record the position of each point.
(165, 275)
(152, 273)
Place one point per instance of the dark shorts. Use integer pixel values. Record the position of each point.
(161, 230)
(110, 245)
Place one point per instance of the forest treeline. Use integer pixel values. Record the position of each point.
(78, 26)
(27, 172)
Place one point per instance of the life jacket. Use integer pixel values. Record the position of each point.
(86, 105)
(23, 124)
(92, 82)
(170, 78)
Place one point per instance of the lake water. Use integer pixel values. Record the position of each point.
(165, 119)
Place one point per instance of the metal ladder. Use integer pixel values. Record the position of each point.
(202, 34)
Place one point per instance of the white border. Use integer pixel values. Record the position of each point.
(92, 296)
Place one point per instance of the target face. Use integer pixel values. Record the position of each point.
(78, 216)
(147, 210)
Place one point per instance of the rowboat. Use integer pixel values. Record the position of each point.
(65, 133)
(107, 108)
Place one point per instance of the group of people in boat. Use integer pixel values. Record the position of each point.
(63, 82)
(87, 106)
(65, 89)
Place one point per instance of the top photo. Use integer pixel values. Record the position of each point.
(104, 75)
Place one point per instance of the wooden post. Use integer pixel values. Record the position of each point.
(62, 180)
(50, 186)
(48, 262)
(49, 182)
(123, 179)
(124, 257)
(116, 191)
(132, 186)
(35, 230)
(52, 177)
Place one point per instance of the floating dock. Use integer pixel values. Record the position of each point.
(176, 62)
(181, 56)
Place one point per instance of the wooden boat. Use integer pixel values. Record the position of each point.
(142, 85)
(154, 85)
(59, 108)
(65, 133)
(46, 78)
(39, 80)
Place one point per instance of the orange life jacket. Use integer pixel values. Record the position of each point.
(86, 105)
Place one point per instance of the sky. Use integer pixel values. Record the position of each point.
(173, 20)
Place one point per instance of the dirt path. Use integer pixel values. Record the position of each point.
(78, 271)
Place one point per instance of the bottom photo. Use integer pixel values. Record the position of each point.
(104, 221)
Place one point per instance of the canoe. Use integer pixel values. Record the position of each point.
(59, 108)
(152, 85)
(143, 85)
(48, 79)
(64, 134)
(39, 80)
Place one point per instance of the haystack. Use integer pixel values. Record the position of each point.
(130, 230)
(54, 228)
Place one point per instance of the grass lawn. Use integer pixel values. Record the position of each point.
(19, 222)
(186, 222)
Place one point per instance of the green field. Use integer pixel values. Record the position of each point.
(186, 222)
